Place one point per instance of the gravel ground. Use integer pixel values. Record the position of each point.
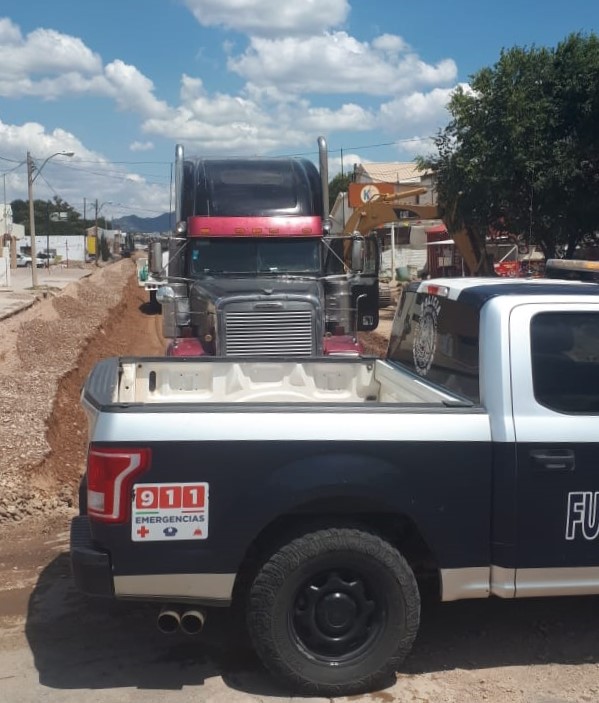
(38, 349)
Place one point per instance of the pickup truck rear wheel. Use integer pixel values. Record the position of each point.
(334, 612)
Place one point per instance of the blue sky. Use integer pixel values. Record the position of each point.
(120, 82)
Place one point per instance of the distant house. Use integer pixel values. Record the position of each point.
(395, 177)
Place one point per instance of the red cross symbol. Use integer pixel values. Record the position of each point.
(143, 531)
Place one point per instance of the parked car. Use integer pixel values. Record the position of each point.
(25, 260)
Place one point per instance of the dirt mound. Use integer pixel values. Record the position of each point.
(46, 353)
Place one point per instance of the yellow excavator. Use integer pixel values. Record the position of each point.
(384, 209)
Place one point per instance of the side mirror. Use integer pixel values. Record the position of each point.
(165, 294)
(357, 255)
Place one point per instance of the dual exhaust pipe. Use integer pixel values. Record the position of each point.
(190, 622)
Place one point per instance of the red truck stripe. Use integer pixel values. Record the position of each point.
(254, 227)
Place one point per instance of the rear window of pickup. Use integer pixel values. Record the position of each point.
(437, 339)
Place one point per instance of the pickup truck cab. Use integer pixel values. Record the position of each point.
(321, 495)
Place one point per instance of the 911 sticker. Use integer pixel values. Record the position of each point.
(169, 511)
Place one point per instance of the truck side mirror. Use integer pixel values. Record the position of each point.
(357, 255)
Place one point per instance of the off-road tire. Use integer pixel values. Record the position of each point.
(322, 582)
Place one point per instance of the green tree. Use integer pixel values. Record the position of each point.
(54, 216)
(521, 152)
(338, 184)
(104, 247)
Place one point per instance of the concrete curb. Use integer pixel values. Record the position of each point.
(16, 306)
(23, 298)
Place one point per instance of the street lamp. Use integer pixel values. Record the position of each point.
(31, 167)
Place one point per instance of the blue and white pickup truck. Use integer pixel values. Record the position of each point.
(320, 494)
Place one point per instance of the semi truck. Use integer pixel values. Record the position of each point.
(319, 497)
(251, 267)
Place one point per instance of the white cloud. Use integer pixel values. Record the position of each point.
(10, 34)
(16, 140)
(336, 165)
(132, 90)
(141, 146)
(43, 52)
(255, 124)
(416, 146)
(338, 63)
(416, 109)
(271, 17)
(217, 108)
(48, 64)
(316, 120)
(234, 138)
(391, 44)
(86, 174)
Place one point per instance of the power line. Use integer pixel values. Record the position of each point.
(116, 175)
(131, 163)
(12, 170)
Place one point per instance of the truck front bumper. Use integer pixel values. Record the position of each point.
(91, 567)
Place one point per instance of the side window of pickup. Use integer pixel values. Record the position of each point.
(565, 361)
(437, 338)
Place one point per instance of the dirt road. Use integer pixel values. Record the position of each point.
(59, 646)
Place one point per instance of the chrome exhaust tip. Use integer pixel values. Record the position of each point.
(192, 621)
(168, 621)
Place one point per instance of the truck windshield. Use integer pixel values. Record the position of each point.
(210, 257)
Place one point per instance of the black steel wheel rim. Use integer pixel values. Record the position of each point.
(337, 614)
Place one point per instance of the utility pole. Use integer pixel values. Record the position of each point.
(8, 231)
(48, 236)
(30, 167)
(85, 251)
(30, 178)
(96, 233)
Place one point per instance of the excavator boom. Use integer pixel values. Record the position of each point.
(384, 209)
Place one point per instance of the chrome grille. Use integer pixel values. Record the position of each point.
(269, 333)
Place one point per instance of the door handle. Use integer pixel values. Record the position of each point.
(552, 460)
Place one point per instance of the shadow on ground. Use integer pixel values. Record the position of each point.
(150, 308)
(80, 642)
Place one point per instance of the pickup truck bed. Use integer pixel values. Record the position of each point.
(176, 381)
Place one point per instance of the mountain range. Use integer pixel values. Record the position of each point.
(133, 223)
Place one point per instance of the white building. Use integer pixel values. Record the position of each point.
(65, 247)
(11, 235)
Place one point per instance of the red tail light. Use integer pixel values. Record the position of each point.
(110, 475)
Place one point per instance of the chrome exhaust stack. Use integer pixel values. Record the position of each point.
(323, 159)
